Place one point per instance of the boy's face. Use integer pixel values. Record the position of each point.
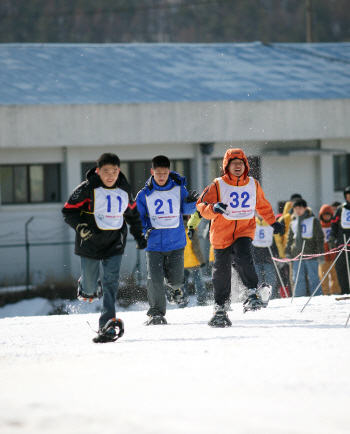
(160, 175)
(108, 174)
(299, 210)
(236, 167)
(326, 217)
(347, 197)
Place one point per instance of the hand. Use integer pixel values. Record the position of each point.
(84, 231)
(277, 228)
(321, 260)
(141, 243)
(331, 243)
(220, 208)
(190, 233)
(194, 220)
(148, 233)
(192, 196)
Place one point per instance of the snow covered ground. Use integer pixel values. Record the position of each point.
(274, 371)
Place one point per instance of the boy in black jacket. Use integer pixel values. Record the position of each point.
(97, 211)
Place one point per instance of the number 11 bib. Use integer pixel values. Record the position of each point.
(109, 207)
(241, 200)
(164, 208)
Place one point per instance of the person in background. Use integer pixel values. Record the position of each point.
(194, 262)
(340, 233)
(329, 286)
(305, 228)
(263, 261)
(230, 202)
(162, 203)
(334, 206)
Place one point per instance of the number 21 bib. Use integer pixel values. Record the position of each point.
(241, 200)
(109, 207)
(164, 208)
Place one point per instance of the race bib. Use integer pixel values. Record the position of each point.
(241, 200)
(263, 236)
(327, 232)
(345, 218)
(164, 208)
(307, 227)
(109, 207)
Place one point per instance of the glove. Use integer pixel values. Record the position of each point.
(192, 196)
(331, 243)
(203, 264)
(141, 243)
(148, 233)
(194, 220)
(321, 260)
(84, 231)
(277, 228)
(220, 208)
(190, 233)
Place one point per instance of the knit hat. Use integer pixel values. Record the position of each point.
(300, 202)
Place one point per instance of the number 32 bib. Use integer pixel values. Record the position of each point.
(241, 200)
(164, 208)
(109, 207)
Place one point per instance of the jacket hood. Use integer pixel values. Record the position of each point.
(324, 209)
(230, 155)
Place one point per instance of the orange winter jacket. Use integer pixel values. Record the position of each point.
(328, 209)
(224, 232)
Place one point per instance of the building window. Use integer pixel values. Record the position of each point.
(341, 166)
(254, 168)
(137, 172)
(30, 183)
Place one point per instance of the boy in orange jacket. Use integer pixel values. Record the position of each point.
(229, 202)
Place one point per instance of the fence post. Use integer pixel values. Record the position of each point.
(27, 251)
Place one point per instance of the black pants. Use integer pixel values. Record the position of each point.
(240, 253)
(342, 273)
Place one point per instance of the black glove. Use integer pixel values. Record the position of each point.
(84, 231)
(148, 233)
(203, 264)
(192, 196)
(220, 208)
(141, 243)
(277, 228)
(190, 233)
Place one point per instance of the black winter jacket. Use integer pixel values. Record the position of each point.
(80, 209)
(338, 231)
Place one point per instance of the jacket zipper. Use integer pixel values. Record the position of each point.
(233, 237)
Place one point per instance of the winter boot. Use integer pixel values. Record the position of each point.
(220, 318)
(92, 297)
(110, 332)
(156, 319)
(257, 298)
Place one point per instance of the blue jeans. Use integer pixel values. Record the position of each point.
(201, 290)
(270, 275)
(90, 273)
(309, 271)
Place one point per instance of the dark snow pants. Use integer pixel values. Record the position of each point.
(342, 273)
(163, 268)
(240, 253)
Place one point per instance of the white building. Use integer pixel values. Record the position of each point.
(63, 105)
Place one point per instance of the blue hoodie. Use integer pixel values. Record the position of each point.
(165, 240)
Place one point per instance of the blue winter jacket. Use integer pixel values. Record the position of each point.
(165, 240)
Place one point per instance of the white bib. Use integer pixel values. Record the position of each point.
(345, 218)
(307, 227)
(263, 236)
(327, 232)
(109, 207)
(241, 200)
(164, 208)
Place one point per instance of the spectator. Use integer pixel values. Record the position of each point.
(306, 228)
(334, 206)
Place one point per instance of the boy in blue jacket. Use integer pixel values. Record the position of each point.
(161, 204)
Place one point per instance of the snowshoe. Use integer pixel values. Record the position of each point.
(156, 319)
(110, 332)
(257, 298)
(92, 297)
(220, 318)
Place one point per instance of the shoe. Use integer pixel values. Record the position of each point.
(170, 296)
(178, 296)
(92, 297)
(257, 298)
(110, 332)
(220, 318)
(156, 319)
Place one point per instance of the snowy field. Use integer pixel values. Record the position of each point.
(274, 371)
